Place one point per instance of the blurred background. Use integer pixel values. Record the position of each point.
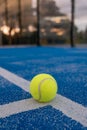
(43, 22)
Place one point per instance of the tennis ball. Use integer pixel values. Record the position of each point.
(43, 88)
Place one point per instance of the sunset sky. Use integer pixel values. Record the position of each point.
(80, 11)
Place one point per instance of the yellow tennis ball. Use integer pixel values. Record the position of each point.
(43, 87)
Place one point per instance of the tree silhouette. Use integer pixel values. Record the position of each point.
(49, 8)
(6, 12)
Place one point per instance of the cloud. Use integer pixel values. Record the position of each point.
(80, 11)
(81, 23)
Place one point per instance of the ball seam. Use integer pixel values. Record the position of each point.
(39, 87)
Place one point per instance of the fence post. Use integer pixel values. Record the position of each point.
(72, 23)
(38, 23)
(19, 15)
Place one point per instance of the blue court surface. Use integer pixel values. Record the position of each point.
(19, 111)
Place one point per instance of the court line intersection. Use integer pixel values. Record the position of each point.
(70, 108)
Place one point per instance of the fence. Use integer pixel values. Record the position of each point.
(41, 22)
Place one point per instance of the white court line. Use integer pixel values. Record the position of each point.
(22, 83)
(71, 109)
(19, 106)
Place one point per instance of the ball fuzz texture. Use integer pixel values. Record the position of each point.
(43, 88)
